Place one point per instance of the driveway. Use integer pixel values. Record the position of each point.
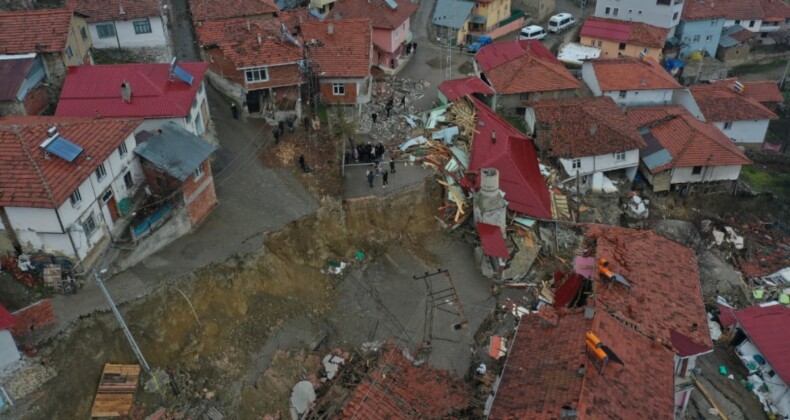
(252, 199)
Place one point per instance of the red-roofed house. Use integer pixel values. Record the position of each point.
(156, 94)
(342, 60)
(664, 300)
(254, 63)
(738, 115)
(64, 182)
(683, 150)
(661, 13)
(125, 23)
(8, 351)
(397, 389)
(452, 90)
(589, 136)
(767, 350)
(496, 144)
(391, 26)
(524, 71)
(617, 37)
(766, 92)
(205, 10)
(569, 381)
(630, 81)
(60, 36)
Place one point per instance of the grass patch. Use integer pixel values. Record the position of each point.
(322, 115)
(762, 181)
(757, 68)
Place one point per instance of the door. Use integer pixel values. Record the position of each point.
(110, 208)
(254, 101)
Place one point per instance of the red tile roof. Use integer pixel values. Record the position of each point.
(346, 51)
(540, 375)
(631, 73)
(383, 16)
(102, 11)
(774, 10)
(636, 33)
(513, 155)
(767, 329)
(50, 33)
(240, 45)
(396, 389)
(29, 179)
(458, 88)
(740, 9)
(155, 94)
(666, 293)
(523, 67)
(13, 73)
(295, 17)
(702, 10)
(6, 319)
(719, 103)
(203, 10)
(585, 127)
(493, 241)
(689, 141)
(743, 35)
(760, 90)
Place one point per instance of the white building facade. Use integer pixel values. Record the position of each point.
(134, 33)
(87, 216)
(661, 13)
(592, 168)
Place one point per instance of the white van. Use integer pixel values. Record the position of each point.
(532, 32)
(560, 22)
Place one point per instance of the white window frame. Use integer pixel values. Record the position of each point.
(339, 89)
(576, 163)
(619, 156)
(123, 150)
(101, 172)
(75, 198)
(728, 125)
(256, 74)
(198, 173)
(89, 221)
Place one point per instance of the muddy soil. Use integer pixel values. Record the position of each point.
(237, 305)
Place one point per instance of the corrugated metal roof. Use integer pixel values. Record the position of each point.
(451, 13)
(12, 74)
(657, 159)
(176, 151)
(493, 241)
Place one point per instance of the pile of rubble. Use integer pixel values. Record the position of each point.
(395, 128)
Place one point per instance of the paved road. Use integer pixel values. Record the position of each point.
(183, 39)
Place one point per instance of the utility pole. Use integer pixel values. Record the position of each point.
(129, 337)
(784, 76)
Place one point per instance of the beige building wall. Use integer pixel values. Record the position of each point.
(611, 49)
(79, 41)
(540, 9)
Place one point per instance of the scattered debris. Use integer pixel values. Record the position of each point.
(302, 397)
(115, 395)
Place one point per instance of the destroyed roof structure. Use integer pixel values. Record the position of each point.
(676, 140)
(523, 67)
(458, 88)
(767, 328)
(665, 300)
(250, 42)
(396, 388)
(581, 127)
(497, 144)
(91, 91)
(636, 381)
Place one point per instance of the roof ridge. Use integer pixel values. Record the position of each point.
(36, 167)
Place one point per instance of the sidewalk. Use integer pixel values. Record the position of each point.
(252, 200)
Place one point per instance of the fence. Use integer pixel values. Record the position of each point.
(152, 222)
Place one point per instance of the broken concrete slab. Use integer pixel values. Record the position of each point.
(302, 397)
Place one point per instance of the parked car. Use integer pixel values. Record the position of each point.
(532, 32)
(480, 43)
(560, 22)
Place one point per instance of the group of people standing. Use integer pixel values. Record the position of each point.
(376, 170)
